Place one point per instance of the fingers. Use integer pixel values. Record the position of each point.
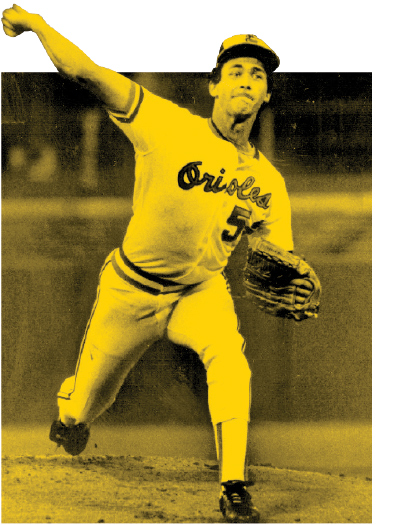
(18, 9)
(9, 29)
(15, 21)
(302, 283)
(6, 23)
(9, 32)
(304, 288)
(8, 15)
(15, 14)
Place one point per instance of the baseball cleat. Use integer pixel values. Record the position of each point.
(74, 439)
(235, 503)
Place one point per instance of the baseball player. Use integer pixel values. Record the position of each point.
(199, 186)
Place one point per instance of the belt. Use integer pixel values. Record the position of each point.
(141, 279)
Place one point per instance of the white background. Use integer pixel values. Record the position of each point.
(177, 35)
(308, 36)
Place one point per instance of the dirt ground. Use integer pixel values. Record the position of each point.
(152, 489)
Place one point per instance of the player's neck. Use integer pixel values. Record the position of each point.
(234, 129)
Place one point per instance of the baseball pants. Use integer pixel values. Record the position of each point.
(125, 321)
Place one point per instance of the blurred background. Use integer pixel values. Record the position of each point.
(67, 182)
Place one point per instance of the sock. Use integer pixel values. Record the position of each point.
(231, 440)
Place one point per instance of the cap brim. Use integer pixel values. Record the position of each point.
(268, 58)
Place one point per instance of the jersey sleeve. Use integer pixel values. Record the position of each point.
(277, 226)
(148, 119)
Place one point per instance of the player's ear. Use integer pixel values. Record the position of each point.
(267, 98)
(213, 89)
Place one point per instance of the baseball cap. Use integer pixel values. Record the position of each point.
(248, 45)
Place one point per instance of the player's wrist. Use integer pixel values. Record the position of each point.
(35, 23)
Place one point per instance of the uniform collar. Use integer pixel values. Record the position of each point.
(219, 134)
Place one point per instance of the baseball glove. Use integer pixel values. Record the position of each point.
(280, 283)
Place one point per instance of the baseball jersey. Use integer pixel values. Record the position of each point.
(195, 194)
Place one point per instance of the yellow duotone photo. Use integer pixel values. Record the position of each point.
(175, 247)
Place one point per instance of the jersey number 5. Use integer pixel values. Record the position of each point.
(237, 218)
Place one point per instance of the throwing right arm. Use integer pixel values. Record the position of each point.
(113, 89)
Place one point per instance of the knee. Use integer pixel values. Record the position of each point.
(229, 386)
(229, 364)
(223, 348)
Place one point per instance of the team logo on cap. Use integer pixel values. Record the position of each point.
(252, 39)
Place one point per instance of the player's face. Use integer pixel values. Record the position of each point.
(242, 88)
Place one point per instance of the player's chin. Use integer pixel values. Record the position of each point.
(244, 108)
(243, 104)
